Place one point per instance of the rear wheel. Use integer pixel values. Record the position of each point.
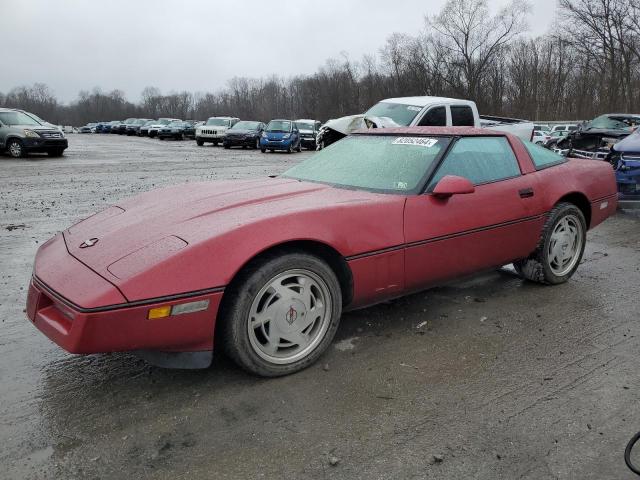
(263, 150)
(199, 143)
(281, 314)
(15, 148)
(560, 248)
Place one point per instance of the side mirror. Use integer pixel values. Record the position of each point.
(450, 185)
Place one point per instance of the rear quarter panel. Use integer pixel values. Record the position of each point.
(594, 179)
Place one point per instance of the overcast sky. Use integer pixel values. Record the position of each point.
(197, 45)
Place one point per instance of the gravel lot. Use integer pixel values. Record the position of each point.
(494, 377)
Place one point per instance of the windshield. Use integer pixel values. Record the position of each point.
(304, 126)
(279, 126)
(373, 162)
(218, 122)
(17, 118)
(246, 126)
(400, 114)
(608, 122)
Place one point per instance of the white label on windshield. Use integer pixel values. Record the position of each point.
(418, 141)
(414, 109)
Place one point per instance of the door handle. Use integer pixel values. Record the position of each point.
(526, 193)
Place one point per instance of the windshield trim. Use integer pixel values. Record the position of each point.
(420, 186)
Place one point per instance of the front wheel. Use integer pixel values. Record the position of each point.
(560, 248)
(281, 314)
(15, 148)
(263, 150)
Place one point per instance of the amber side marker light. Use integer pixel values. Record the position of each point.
(180, 309)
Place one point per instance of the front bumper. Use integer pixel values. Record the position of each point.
(275, 144)
(240, 141)
(83, 313)
(44, 144)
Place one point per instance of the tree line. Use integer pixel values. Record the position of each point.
(587, 64)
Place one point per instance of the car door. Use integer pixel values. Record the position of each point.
(456, 236)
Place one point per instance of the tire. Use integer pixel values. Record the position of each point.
(160, 138)
(226, 146)
(56, 152)
(263, 150)
(566, 230)
(15, 148)
(289, 149)
(215, 143)
(260, 349)
(257, 145)
(199, 143)
(299, 149)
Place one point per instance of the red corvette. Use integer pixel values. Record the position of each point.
(267, 266)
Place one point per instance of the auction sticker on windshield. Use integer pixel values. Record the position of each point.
(418, 141)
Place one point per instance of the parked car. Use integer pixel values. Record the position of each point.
(106, 128)
(21, 134)
(214, 130)
(190, 128)
(134, 127)
(115, 126)
(625, 158)
(144, 129)
(244, 134)
(594, 139)
(554, 138)
(540, 137)
(100, 127)
(281, 135)
(88, 128)
(421, 111)
(308, 131)
(270, 264)
(122, 127)
(175, 130)
(153, 129)
(541, 127)
(568, 127)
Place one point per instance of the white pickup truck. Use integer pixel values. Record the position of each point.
(421, 111)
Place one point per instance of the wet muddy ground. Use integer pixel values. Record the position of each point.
(486, 378)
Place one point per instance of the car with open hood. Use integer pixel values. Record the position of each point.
(265, 267)
(244, 134)
(595, 139)
(21, 134)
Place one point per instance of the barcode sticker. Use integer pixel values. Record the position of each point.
(417, 141)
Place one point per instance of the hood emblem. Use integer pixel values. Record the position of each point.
(89, 243)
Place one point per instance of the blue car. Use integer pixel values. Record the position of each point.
(280, 135)
(625, 158)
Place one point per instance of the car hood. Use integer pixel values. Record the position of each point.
(239, 132)
(213, 127)
(631, 144)
(190, 213)
(162, 242)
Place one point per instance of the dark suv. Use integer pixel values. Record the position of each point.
(21, 133)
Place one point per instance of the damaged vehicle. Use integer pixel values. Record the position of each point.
(595, 139)
(625, 158)
(422, 112)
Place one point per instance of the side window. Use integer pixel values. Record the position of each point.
(541, 156)
(480, 159)
(462, 116)
(435, 117)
